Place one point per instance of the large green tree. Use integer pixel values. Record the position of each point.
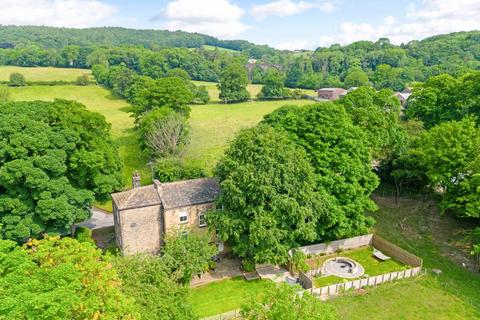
(378, 113)
(340, 155)
(268, 204)
(283, 302)
(233, 84)
(55, 159)
(444, 98)
(169, 92)
(450, 156)
(356, 77)
(273, 85)
(57, 278)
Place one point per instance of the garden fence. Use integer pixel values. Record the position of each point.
(326, 291)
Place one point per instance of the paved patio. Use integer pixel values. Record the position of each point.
(226, 268)
(274, 273)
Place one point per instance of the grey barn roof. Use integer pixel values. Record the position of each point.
(170, 195)
(188, 192)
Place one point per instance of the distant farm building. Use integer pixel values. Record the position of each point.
(403, 96)
(331, 93)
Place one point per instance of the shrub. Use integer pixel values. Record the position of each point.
(170, 169)
(82, 80)
(84, 234)
(17, 80)
(248, 265)
(298, 261)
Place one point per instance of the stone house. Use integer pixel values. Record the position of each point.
(145, 214)
(331, 93)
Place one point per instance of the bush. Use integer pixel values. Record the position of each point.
(298, 261)
(84, 234)
(82, 80)
(17, 80)
(169, 170)
(248, 265)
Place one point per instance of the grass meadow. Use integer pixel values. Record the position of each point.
(43, 73)
(226, 295)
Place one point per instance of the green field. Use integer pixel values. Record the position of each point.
(208, 47)
(214, 125)
(364, 256)
(226, 295)
(43, 73)
(254, 90)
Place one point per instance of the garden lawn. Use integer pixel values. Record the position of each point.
(43, 73)
(418, 227)
(364, 256)
(214, 125)
(100, 100)
(226, 295)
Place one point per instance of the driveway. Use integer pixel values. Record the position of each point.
(100, 219)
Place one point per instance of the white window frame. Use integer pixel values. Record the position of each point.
(200, 215)
(183, 214)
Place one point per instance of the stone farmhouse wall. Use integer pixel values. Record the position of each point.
(139, 230)
(143, 230)
(172, 217)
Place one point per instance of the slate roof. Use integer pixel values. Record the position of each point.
(188, 192)
(171, 195)
(136, 197)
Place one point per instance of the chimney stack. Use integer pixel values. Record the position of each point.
(136, 179)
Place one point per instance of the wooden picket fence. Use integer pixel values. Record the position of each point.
(334, 289)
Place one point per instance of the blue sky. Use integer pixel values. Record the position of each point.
(286, 24)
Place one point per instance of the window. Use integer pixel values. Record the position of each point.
(183, 216)
(201, 220)
(184, 234)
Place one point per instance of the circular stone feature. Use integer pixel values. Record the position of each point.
(343, 267)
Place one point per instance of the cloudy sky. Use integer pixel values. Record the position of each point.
(284, 24)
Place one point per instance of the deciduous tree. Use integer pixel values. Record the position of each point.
(267, 205)
(233, 84)
(340, 155)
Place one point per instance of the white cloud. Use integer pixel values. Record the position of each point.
(219, 18)
(283, 8)
(57, 13)
(430, 18)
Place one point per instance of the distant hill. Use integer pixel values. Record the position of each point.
(52, 37)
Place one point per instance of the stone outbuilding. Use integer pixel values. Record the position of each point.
(145, 214)
(331, 93)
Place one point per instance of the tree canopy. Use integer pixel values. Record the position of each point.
(341, 158)
(233, 84)
(55, 159)
(444, 98)
(450, 155)
(57, 278)
(268, 204)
